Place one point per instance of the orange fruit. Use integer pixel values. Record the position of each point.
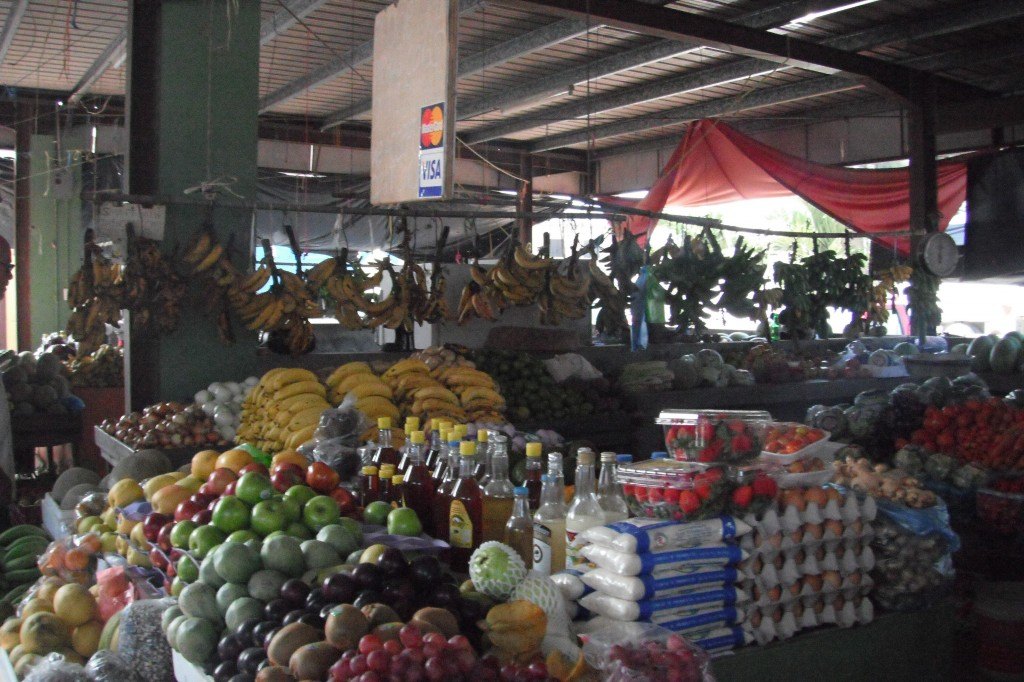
(203, 463)
(91, 543)
(233, 459)
(289, 457)
(76, 560)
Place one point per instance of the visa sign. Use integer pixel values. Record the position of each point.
(431, 180)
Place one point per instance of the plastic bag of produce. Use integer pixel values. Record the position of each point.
(54, 668)
(142, 642)
(643, 652)
(571, 366)
(913, 555)
(110, 666)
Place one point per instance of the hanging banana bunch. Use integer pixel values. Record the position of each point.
(95, 295)
(221, 284)
(343, 284)
(153, 290)
(435, 307)
(611, 301)
(565, 296)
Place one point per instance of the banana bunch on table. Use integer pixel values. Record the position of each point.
(283, 409)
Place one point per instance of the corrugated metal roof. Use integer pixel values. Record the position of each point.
(57, 41)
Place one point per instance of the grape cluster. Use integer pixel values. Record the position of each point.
(417, 657)
(672, 661)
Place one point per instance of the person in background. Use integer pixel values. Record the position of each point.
(6, 448)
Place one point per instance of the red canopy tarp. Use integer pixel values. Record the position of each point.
(715, 164)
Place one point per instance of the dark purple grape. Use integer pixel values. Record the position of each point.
(295, 591)
(250, 659)
(225, 670)
(367, 576)
(276, 609)
(231, 646)
(340, 588)
(293, 616)
(259, 632)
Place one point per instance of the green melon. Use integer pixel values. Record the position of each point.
(1004, 355)
(905, 348)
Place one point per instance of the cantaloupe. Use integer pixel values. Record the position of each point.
(70, 478)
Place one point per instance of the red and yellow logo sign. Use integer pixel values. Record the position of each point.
(432, 127)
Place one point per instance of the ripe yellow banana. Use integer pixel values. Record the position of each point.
(370, 388)
(345, 370)
(197, 252)
(481, 393)
(352, 380)
(405, 366)
(436, 393)
(212, 257)
(375, 407)
(298, 388)
(310, 415)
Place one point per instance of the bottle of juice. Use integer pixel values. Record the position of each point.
(411, 424)
(418, 484)
(436, 441)
(533, 474)
(398, 490)
(549, 520)
(609, 494)
(499, 492)
(442, 499)
(519, 529)
(459, 431)
(387, 472)
(369, 488)
(483, 457)
(386, 453)
(465, 512)
(585, 511)
(441, 458)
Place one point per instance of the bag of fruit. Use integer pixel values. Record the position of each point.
(644, 652)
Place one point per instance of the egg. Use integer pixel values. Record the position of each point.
(834, 494)
(757, 593)
(794, 498)
(835, 527)
(795, 588)
(800, 556)
(758, 565)
(779, 562)
(814, 582)
(816, 496)
(758, 538)
(775, 594)
(819, 554)
(775, 540)
(777, 615)
(815, 531)
(798, 609)
(797, 536)
(838, 603)
(857, 526)
(819, 606)
(854, 578)
(755, 618)
(832, 579)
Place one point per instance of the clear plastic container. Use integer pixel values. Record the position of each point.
(778, 433)
(680, 491)
(714, 436)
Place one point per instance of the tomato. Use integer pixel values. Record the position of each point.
(346, 503)
(965, 419)
(934, 423)
(321, 477)
(945, 441)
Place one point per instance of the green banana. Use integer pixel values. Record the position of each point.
(25, 575)
(21, 563)
(24, 547)
(22, 531)
(14, 596)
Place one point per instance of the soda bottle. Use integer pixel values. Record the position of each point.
(519, 529)
(609, 494)
(465, 512)
(533, 474)
(585, 511)
(498, 493)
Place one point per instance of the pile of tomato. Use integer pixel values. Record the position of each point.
(785, 438)
(989, 433)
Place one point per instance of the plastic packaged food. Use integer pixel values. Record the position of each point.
(719, 554)
(675, 491)
(715, 436)
(787, 442)
(644, 652)
(635, 588)
(651, 535)
(663, 610)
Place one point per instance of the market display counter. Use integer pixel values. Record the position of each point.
(899, 646)
(113, 450)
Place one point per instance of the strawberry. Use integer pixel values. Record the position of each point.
(671, 495)
(640, 493)
(702, 490)
(711, 475)
(689, 502)
(741, 443)
(655, 495)
(711, 452)
(743, 496)
(737, 426)
(765, 486)
(705, 432)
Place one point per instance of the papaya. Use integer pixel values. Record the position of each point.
(516, 629)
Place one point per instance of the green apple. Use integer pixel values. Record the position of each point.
(300, 493)
(404, 521)
(203, 539)
(231, 514)
(275, 534)
(353, 527)
(243, 535)
(292, 508)
(320, 511)
(180, 533)
(187, 569)
(253, 487)
(177, 585)
(268, 516)
(297, 529)
(376, 513)
(371, 555)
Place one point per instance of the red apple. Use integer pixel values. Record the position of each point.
(213, 504)
(187, 509)
(220, 478)
(254, 466)
(158, 559)
(171, 571)
(152, 524)
(286, 475)
(163, 538)
(210, 489)
(346, 503)
(202, 517)
(204, 499)
(321, 477)
(230, 490)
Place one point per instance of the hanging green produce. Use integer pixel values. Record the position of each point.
(699, 279)
(923, 302)
(795, 317)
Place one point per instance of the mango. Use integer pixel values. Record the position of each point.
(167, 499)
(124, 492)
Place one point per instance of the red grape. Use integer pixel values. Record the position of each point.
(465, 659)
(434, 669)
(410, 637)
(460, 642)
(415, 656)
(393, 647)
(537, 670)
(508, 671)
(378, 661)
(340, 671)
(369, 643)
(435, 638)
(431, 650)
(358, 664)
(369, 676)
(415, 675)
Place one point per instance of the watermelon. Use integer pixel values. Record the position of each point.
(905, 348)
(1014, 335)
(959, 349)
(980, 349)
(1004, 355)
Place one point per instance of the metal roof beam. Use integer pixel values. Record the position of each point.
(286, 17)
(290, 14)
(14, 17)
(790, 50)
(949, 22)
(336, 67)
(774, 15)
